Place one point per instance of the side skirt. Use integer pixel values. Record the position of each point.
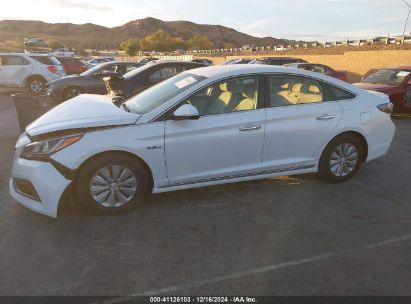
(235, 179)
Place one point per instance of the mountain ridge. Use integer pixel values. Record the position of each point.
(89, 35)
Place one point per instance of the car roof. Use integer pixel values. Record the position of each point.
(285, 58)
(119, 63)
(151, 64)
(222, 71)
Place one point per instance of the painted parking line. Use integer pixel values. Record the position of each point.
(254, 271)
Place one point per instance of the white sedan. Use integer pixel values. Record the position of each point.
(203, 127)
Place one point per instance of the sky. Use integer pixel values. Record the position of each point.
(322, 20)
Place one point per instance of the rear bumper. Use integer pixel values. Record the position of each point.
(46, 180)
(380, 140)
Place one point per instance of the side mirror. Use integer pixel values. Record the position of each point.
(184, 112)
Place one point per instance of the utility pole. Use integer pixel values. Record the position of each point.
(408, 16)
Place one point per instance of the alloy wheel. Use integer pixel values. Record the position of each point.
(36, 86)
(343, 159)
(113, 186)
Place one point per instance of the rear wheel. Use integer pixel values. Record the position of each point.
(72, 92)
(36, 84)
(341, 159)
(111, 184)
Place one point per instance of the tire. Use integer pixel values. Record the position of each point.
(111, 177)
(341, 159)
(72, 92)
(36, 84)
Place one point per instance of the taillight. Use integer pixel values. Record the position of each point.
(386, 107)
(52, 68)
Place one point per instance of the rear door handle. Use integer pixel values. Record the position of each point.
(250, 128)
(325, 117)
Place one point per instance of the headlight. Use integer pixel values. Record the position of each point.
(41, 150)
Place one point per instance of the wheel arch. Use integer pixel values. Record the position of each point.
(66, 88)
(359, 136)
(117, 152)
(26, 81)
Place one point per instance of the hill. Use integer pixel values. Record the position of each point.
(95, 36)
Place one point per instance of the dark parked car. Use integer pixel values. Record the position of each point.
(394, 82)
(203, 61)
(239, 61)
(72, 65)
(277, 60)
(319, 68)
(229, 61)
(146, 76)
(35, 42)
(147, 60)
(91, 81)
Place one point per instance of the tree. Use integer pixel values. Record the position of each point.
(131, 46)
(54, 44)
(162, 42)
(199, 42)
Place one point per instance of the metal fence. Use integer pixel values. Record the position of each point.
(406, 39)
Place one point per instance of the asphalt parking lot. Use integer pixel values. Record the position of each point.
(282, 236)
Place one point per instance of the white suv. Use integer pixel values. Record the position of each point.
(28, 70)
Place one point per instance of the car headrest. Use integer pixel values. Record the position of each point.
(314, 89)
(249, 90)
(297, 87)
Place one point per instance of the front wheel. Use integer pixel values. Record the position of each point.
(111, 184)
(72, 92)
(341, 159)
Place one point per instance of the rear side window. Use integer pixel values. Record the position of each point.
(48, 60)
(335, 93)
(286, 90)
(65, 60)
(14, 60)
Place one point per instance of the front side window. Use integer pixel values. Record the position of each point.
(162, 92)
(233, 95)
(156, 76)
(168, 72)
(291, 90)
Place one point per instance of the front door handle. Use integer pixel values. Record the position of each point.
(325, 117)
(250, 128)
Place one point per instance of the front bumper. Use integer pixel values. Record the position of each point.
(46, 180)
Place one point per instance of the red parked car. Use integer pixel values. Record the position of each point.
(72, 65)
(319, 68)
(395, 82)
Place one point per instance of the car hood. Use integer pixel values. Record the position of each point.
(374, 87)
(83, 111)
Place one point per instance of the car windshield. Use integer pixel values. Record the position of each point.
(387, 77)
(159, 94)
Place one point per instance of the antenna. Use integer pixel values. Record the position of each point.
(408, 16)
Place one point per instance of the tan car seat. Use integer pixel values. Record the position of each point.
(250, 100)
(310, 94)
(221, 103)
(294, 95)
